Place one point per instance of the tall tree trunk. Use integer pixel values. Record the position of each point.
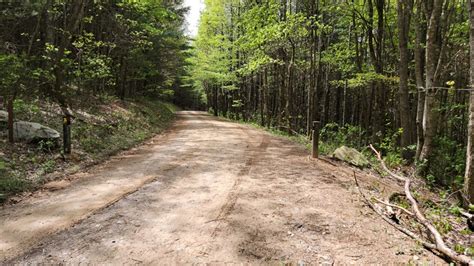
(376, 53)
(432, 57)
(469, 176)
(77, 13)
(404, 11)
(420, 27)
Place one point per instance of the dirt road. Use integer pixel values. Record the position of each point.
(206, 191)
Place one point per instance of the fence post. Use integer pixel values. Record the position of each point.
(316, 127)
(11, 123)
(67, 134)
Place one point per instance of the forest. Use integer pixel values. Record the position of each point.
(69, 51)
(125, 138)
(395, 74)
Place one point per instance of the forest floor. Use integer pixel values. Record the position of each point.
(207, 190)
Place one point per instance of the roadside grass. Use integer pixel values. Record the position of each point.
(8, 183)
(102, 128)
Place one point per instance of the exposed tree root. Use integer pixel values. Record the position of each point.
(439, 244)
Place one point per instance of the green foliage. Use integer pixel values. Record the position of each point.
(48, 166)
(8, 183)
(447, 163)
(333, 136)
(116, 45)
(47, 146)
(127, 129)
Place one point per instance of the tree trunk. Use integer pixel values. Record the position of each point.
(77, 13)
(432, 57)
(420, 27)
(404, 11)
(469, 176)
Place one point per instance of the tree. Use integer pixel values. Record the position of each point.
(433, 56)
(469, 176)
(405, 8)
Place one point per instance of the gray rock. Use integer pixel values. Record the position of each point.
(29, 131)
(3, 116)
(351, 156)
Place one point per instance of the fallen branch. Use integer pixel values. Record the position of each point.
(440, 245)
(470, 219)
(390, 221)
(467, 215)
(395, 206)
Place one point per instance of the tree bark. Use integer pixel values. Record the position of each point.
(432, 57)
(404, 11)
(420, 27)
(77, 13)
(469, 175)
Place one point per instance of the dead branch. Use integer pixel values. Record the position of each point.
(440, 245)
(466, 214)
(395, 206)
(390, 221)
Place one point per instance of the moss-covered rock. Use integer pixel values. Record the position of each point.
(351, 156)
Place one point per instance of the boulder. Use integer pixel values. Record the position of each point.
(351, 156)
(3, 123)
(29, 131)
(3, 117)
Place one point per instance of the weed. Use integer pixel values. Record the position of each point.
(49, 166)
(10, 185)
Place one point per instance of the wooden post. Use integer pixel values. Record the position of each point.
(11, 137)
(316, 126)
(67, 134)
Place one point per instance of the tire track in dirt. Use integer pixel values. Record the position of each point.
(254, 152)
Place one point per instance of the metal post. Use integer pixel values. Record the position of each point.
(67, 134)
(315, 152)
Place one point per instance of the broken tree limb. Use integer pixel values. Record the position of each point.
(466, 214)
(470, 219)
(440, 245)
(390, 221)
(395, 206)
